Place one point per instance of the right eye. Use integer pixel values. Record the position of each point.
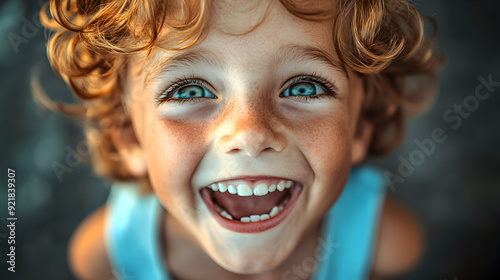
(192, 91)
(186, 90)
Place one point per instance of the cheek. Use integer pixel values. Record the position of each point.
(327, 148)
(327, 145)
(174, 150)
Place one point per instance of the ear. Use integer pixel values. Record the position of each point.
(361, 89)
(362, 140)
(129, 149)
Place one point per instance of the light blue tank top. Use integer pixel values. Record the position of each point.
(346, 247)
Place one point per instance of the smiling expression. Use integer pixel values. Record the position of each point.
(271, 105)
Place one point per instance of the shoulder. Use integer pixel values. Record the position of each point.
(88, 256)
(400, 240)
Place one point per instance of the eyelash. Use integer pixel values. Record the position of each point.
(167, 94)
(330, 90)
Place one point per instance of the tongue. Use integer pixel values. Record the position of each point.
(245, 206)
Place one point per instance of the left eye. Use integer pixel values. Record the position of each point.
(192, 91)
(303, 89)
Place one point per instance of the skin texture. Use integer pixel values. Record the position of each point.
(248, 129)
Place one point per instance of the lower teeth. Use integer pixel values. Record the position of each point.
(226, 215)
(254, 218)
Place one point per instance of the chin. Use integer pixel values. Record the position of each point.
(251, 254)
(250, 263)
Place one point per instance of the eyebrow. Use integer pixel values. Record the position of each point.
(309, 53)
(189, 58)
(184, 59)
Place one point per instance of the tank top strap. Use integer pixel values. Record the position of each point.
(350, 228)
(132, 234)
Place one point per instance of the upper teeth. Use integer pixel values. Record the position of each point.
(245, 190)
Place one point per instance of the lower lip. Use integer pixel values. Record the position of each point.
(253, 227)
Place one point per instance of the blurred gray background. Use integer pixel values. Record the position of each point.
(455, 190)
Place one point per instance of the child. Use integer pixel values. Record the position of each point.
(246, 124)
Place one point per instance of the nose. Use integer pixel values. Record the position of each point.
(251, 131)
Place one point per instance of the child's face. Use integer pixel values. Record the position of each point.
(246, 115)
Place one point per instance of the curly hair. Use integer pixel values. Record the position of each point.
(91, 41)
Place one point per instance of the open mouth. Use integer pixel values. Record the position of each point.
(251, 206)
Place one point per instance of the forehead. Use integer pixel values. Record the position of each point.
(252, 32)
(237, 14)
(237, 17)
(257, 24)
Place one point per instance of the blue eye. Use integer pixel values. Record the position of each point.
(303, 89)
(192, 91)
(185, 90)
